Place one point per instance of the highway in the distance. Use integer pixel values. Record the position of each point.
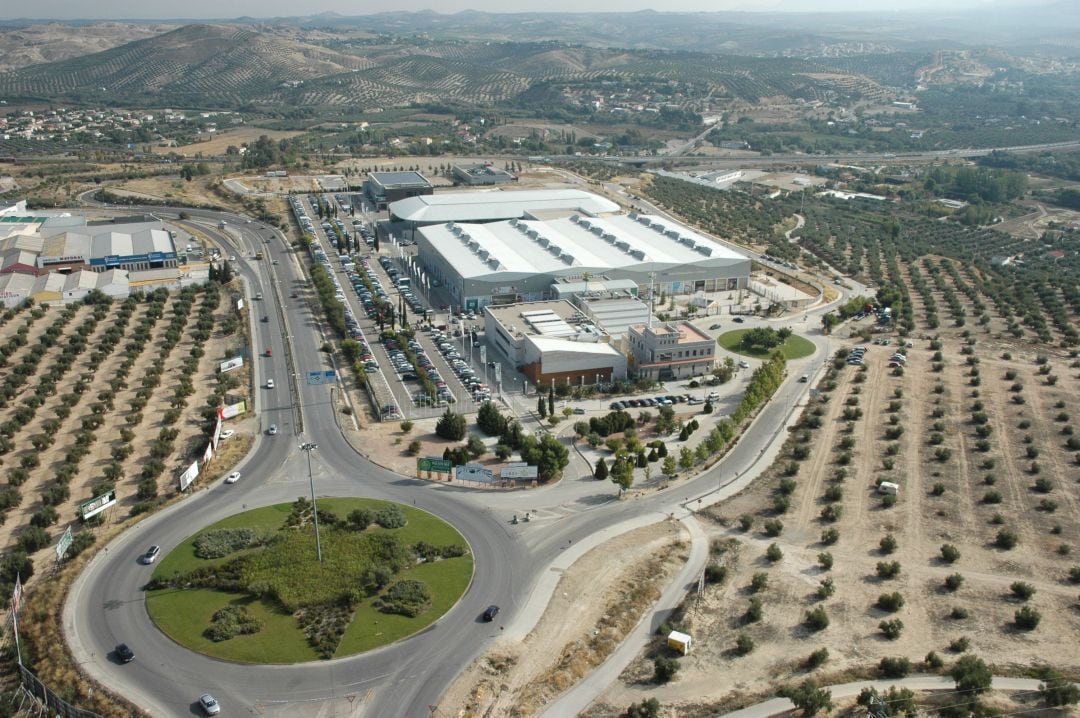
(106, 605)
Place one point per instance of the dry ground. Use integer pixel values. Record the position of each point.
(596, 602)
(216, 143)
(921, 522)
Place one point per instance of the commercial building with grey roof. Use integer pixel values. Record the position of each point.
(383, 188)
(519, 260)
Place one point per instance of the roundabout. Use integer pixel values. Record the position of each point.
(251, 589)
(792, 346)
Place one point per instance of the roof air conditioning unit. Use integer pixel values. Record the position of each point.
(633, 215)
(637, 254)
(533, 233)
(543, 241)
(674, 234)
(703, 250)
(575, 218)
(624, 246)
(450, 226)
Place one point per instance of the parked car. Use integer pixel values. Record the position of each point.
(226, 434)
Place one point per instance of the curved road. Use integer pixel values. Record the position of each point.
(106, 603)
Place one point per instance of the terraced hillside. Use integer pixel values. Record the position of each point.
(225, 66)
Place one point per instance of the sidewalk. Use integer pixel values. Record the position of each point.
(584, 693)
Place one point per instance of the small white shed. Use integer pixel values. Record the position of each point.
(679, 642)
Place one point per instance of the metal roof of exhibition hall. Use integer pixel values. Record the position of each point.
(496, 205)
(573, 243)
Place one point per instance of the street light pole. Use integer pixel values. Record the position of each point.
(307, 448)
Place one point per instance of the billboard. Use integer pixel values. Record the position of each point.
(473, 472)
(230, 364)
(228, 412)
(216, 436)
(208, 454)
(518, 472)
(97, 505)
(432, 464)
(64, 544)
(189, 475)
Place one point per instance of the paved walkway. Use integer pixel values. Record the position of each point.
(776, 706)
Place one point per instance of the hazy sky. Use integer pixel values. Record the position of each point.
(205, 9)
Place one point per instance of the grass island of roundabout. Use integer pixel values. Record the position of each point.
(761, 342)
(250, 588)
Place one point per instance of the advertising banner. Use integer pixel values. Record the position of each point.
(432, 464)
(96, 506)
(228, 412)
(518, 472)
(216, 436)
(473, 472)
(230, 364)
(188, 476)
(208, 454)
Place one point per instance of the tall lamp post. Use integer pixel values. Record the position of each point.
(307, 448)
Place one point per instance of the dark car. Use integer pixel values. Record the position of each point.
(490, 613)
(123, 653)
(715, 326)
(738, 320)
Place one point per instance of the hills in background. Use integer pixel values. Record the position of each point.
(393, 59)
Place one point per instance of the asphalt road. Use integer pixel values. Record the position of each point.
(106, 603)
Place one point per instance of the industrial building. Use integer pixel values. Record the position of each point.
(519, 260)
(553, 342)
(498, 206)
(134, 246)
(673, 350)
(478, 175)
(383, 188)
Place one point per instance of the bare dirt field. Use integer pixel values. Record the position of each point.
(217, 143)
(596, 602)
(976, 432)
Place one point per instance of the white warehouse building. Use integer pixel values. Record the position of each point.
(500, 262)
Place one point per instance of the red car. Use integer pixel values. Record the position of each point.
(269, 353)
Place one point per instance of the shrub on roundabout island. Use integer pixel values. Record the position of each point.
(408, 598)
(231, 621)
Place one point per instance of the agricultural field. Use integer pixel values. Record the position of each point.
(818, 573)
(217, 143)
(101, 396)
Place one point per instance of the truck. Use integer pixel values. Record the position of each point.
(221, 224)
(259, 255)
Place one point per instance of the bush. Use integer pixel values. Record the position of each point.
(746, 522)
(891, 602)
(759, 582)
(451, 426)
(1022, 590)
(1027, 618)
(892, 628)
(390, 517)
(230, 622)
(407, 598)
(933, 661)
(774, 527)
(971, 675)
(816, 619)
(222, 542)
(1056, 690)
(888, 569)
(958, 613)
(826, 589)
(954, 581)
(33, 538)
(715, 573)
(830, 536)
(648, 708)
(949, 553)
(744, 644)
(825, 560)
(808, 698)
(887, 544)
(1006, 539)
(894, 667)
(664, 668)
(816, 659)
(414, 447)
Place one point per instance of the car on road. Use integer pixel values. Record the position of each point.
(232, 478)
(743, 364)
(715, 326)
(738, 320)
(272, 430)
(151, 554)
(232, 257)
(578, 410)
(209, 704)
(123, 653)
(275, 262)
(294, 295)
(268, 352)
(269, 383)
(490, 613)
(804, 378)
(265, 318)
(226, 434)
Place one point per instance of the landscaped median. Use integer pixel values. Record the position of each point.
(250, 588)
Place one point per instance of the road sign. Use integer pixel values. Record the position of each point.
(432, 464)
(518, 472)
(317, 378)
(64, 543)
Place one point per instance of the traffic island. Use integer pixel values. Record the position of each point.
(251, 588)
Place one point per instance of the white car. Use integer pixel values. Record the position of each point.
(232, 478)
(743, 364)
(226, 434)
(232, 257)
(269, 383)
(209, 704)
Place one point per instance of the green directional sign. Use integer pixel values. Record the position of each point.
(65, 543)
(432, 464)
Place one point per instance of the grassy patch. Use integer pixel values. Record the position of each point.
(184, 614)
(795, 347)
